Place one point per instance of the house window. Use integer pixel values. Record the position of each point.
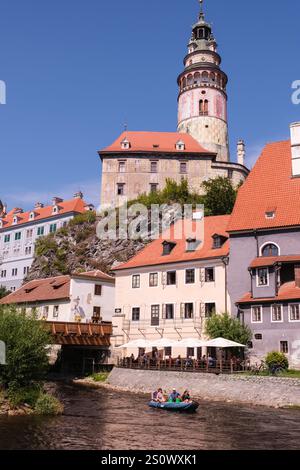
(3, 273)
(55, 311)
(270, 250)
(45, 313)
(276, 312)
(210, 309)
(136, 281)
(168, 351)
(53, 228)
(6, 238)
(190, 276)
(26, 270)
(258, 336)
(171, 278)
(40, 231)
(96, 318)
(136, 314)
(188, 311)
(256, 314)
(153, 167)
(294, 312)
(122, 167)
(192, 244)
(29, 233)
(153, 279)
(284, 347)
(28, 250)
(169, 311)
(168, 247)
(183, 168)
(120, 189)
(190, 352)
(98, 289)
(14, 272)
(153, 187)
(209, 274)
(18, 236)
(154, 315)
(262, 277)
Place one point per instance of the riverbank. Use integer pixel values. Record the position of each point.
(276, 392)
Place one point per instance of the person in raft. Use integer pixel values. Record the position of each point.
(158, 396)
(186, 397)
(174, 397)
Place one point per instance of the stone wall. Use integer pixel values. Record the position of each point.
(267, 391)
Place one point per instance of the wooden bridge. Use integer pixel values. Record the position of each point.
(80, 334)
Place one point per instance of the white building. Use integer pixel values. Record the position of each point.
(80, 298)
(19, 231)
(171, 287)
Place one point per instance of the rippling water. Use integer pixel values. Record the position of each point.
(98, 419)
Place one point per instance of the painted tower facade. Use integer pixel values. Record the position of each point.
(202, 101)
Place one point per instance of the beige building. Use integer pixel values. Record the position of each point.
(140, 162)
(171, 287)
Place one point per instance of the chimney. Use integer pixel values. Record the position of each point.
(56, 200)
(241, 152)
(297, 275)
(38, 205)
(295, 147)
(78, 195)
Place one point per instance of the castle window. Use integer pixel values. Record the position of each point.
(122, 167)
(120, 189)
(153, 187)
(270, 250)
(284, 347)
(153, 167)
(205, 77)
(206, 107)
(183, 168)
(125, 144)
(203, 107)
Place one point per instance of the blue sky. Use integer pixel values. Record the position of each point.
(76, 70)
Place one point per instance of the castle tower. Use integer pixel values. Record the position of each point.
(202, 101)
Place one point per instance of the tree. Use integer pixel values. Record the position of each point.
(26, 342)
(220, 196)
(3, 292)
(224, 326)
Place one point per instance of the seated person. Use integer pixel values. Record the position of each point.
(174, 397)
(178, 361)
(160, 396)
(154, 395)
(186, 396)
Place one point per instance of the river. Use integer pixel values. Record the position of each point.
(97, 419)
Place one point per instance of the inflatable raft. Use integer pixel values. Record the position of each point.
(169, 406)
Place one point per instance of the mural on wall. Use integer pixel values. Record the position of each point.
(77, 312)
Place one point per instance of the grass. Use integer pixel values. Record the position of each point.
(100, 377)
(292, 374)
(40, 403)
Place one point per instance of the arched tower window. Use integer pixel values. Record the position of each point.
(184, 82)
(270, 249)
(205, 77)
(206, 107)
(203, 107)
(190, 80)
(197, 78)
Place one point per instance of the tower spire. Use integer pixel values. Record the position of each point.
(201, 15)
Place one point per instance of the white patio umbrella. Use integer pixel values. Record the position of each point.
(222, 343)
(138, 343)
(164, 343)
(190, 343)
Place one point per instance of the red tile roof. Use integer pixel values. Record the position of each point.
(156, 142)
(54, 288)
(76, 205)
(271, 260)
(152, 254)
(97, 275)
(269, 185)
(287, 291)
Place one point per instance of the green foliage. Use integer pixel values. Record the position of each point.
(24, 395)
(276, 359)
(224, 326)
(48, 405)
(3, 292)
(26, 348)
(88, 217)
(220, 196)
(44, 245)
(172, 193)
(100, 377)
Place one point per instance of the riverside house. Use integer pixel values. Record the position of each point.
(264, 268)
(172, 286)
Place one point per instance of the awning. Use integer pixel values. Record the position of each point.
(190, 343)
(138, 343)
(163, 343)
(222, 343)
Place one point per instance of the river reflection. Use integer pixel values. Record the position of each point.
(99, 419)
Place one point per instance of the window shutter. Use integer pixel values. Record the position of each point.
(182, 307)
(164, 311)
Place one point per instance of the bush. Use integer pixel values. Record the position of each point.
(48, 405)
(26, 348)
(220, 196)
(100, 377)
(80, 219)
(276, 359)
(225, 326)
(24, 395)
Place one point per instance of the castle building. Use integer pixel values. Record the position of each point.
(19, 231)
(140, 162)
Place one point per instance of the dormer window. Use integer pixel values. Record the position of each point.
(192, 244)
(270, 213)
(31, 216)
(55, 210)
(15, 220)
(156, 146)
(125, 144)
(168, 247)
(218, 241)
(180, 145)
